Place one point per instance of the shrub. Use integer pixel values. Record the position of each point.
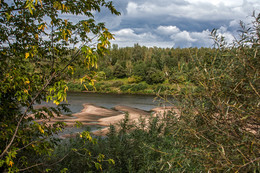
(138, 87)
(220, 117)
(178, 78)
(108, 72)
(161, 88)
(117, 84)
(154, 76)
(125, 88)
(119, 71)
(134, 79)
(75, 86)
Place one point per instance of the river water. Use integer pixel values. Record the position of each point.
(144, 102)
(77, 99)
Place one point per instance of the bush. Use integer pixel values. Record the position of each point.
(161, 88)
(117, 84)
(178, 78)
(75, 86)
(154, 76)
(220, 117)
(125, 88)
(108, 72)
(138, 87)
(134, 79)
(119, 71)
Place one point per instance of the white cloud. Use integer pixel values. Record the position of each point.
(179, 23)
(128, 35)
(183, 36)
(168, 30)
(195, 9)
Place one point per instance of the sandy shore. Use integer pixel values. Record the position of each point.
(96, 115)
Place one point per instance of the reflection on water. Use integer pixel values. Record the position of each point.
(144, 102)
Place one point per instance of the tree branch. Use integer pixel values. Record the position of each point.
(54, 75)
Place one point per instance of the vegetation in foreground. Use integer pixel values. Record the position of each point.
(217, 130)
(34, 59)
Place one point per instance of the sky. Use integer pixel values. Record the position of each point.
(176, 23)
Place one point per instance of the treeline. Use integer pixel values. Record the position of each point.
(152, 65)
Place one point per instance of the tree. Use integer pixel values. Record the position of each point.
(36, 51)
(154, 76)
(119, 71)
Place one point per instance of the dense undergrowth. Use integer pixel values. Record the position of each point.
(216, 131)
(218, 128)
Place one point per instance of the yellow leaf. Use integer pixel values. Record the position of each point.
(85, 87)
(27, 55)
(11, 163)
(41, 130)
(40, 27)
(56, 102)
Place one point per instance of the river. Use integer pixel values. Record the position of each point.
(77, 99)
(144, 102)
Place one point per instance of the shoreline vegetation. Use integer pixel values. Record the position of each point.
(122, 86)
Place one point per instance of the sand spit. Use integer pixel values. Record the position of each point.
(96, 115)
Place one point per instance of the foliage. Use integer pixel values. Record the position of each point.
(117, 83)
(35, 60)
(217, 129)
(138, 87)
(78, 156)
(119, 71)
(75, 86)
(154, 76)
(220, 116)
(134, 79)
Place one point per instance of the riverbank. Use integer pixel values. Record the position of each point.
(93, 115)
(124, 86)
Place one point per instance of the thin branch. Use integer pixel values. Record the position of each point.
(38, 164)
(254, 89)
(26, 146)
(24, 114)
(54, 75)
(252, 161)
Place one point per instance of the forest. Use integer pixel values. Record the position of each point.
(216, 90)
(141, 70)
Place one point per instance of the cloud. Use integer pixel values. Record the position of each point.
(178, 23)
(192, 39)
(128, 37)
(169, 36)
(168, 30)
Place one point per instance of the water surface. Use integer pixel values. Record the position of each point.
(144, 102)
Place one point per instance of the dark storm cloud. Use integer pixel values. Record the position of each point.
(178, 23)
